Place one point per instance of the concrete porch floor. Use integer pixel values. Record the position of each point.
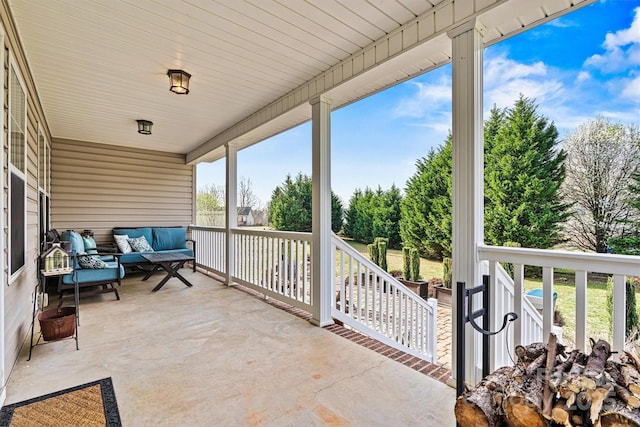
(212, 355)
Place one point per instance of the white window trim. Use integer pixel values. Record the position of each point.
(13, 66)
(43, 158)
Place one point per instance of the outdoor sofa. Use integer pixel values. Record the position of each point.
(161, 240)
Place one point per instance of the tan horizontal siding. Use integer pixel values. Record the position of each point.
(99, 186)
(18, 303)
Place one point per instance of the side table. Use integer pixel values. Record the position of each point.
(38, 306)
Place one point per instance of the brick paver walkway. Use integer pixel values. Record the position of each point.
(444, 335)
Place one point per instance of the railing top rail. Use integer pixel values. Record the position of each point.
(206, 228)
(291, 235)
(592, 262)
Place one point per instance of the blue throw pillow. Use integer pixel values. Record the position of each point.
(89, 245)
(77, 245)
(165, 238)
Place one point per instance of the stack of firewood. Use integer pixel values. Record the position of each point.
(548, 387)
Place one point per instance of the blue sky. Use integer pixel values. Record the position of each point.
(581, 65)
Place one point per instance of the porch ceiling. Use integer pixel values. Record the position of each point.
(100, 65)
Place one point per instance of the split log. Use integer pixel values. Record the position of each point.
(577, 420)
(619, 415)
(527, 354)
(547, 397)
(560, 413)
(613, 370)
(530, 352)
(550, 388)
(482, 405)
(630, 375)
(532, 368)
(634, 354)
(522, 403)
(626, 396)
(597, 397)
(561, 368)
(569, 387)
(600, 352)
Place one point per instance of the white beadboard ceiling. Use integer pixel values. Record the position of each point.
(99, 65)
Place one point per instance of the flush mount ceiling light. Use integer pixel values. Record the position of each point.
(179, 81)
(144, 127)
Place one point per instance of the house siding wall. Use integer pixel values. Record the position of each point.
(100, 186)
(18, 302)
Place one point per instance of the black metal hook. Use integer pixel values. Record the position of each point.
(464, 300)
(509, 317)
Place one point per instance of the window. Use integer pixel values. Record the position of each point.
(17, 171)
(44, 163)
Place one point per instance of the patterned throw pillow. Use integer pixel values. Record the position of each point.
(140, 244)
(122, 241)
(91, 262)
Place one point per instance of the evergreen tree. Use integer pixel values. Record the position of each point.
(524, 170)
(374, 214)
(426, 208)
(290, 207)
(628, 243)
(632, 319)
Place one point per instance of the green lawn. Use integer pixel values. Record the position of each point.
(564, 285)
(428, 269)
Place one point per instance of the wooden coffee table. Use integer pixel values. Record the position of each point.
(170, 263)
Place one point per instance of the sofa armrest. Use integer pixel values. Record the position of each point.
(193, 247)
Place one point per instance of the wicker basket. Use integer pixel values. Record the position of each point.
(57, 323)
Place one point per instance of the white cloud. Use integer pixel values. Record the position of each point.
(428, 96)
(622, 49)
(632, 89)
(505, 80)
(500, 69)
(583, 76)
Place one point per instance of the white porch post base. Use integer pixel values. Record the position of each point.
(468, 175)
(231, 220)
(322, 282)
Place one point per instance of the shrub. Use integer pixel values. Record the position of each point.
(382, 252)
(373, 252)
(406, 263)
(415, 264)
(447, 273)
(632, 321)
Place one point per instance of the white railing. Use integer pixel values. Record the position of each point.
(618, 266)
(276, 263)
(210, 248)
(525, 330)
(370, 300)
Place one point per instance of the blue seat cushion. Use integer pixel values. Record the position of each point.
(169, 238)
(136, 257)
(86, 275)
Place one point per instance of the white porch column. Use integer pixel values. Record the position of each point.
(231, 221)
(321, 211)
(468, 174)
